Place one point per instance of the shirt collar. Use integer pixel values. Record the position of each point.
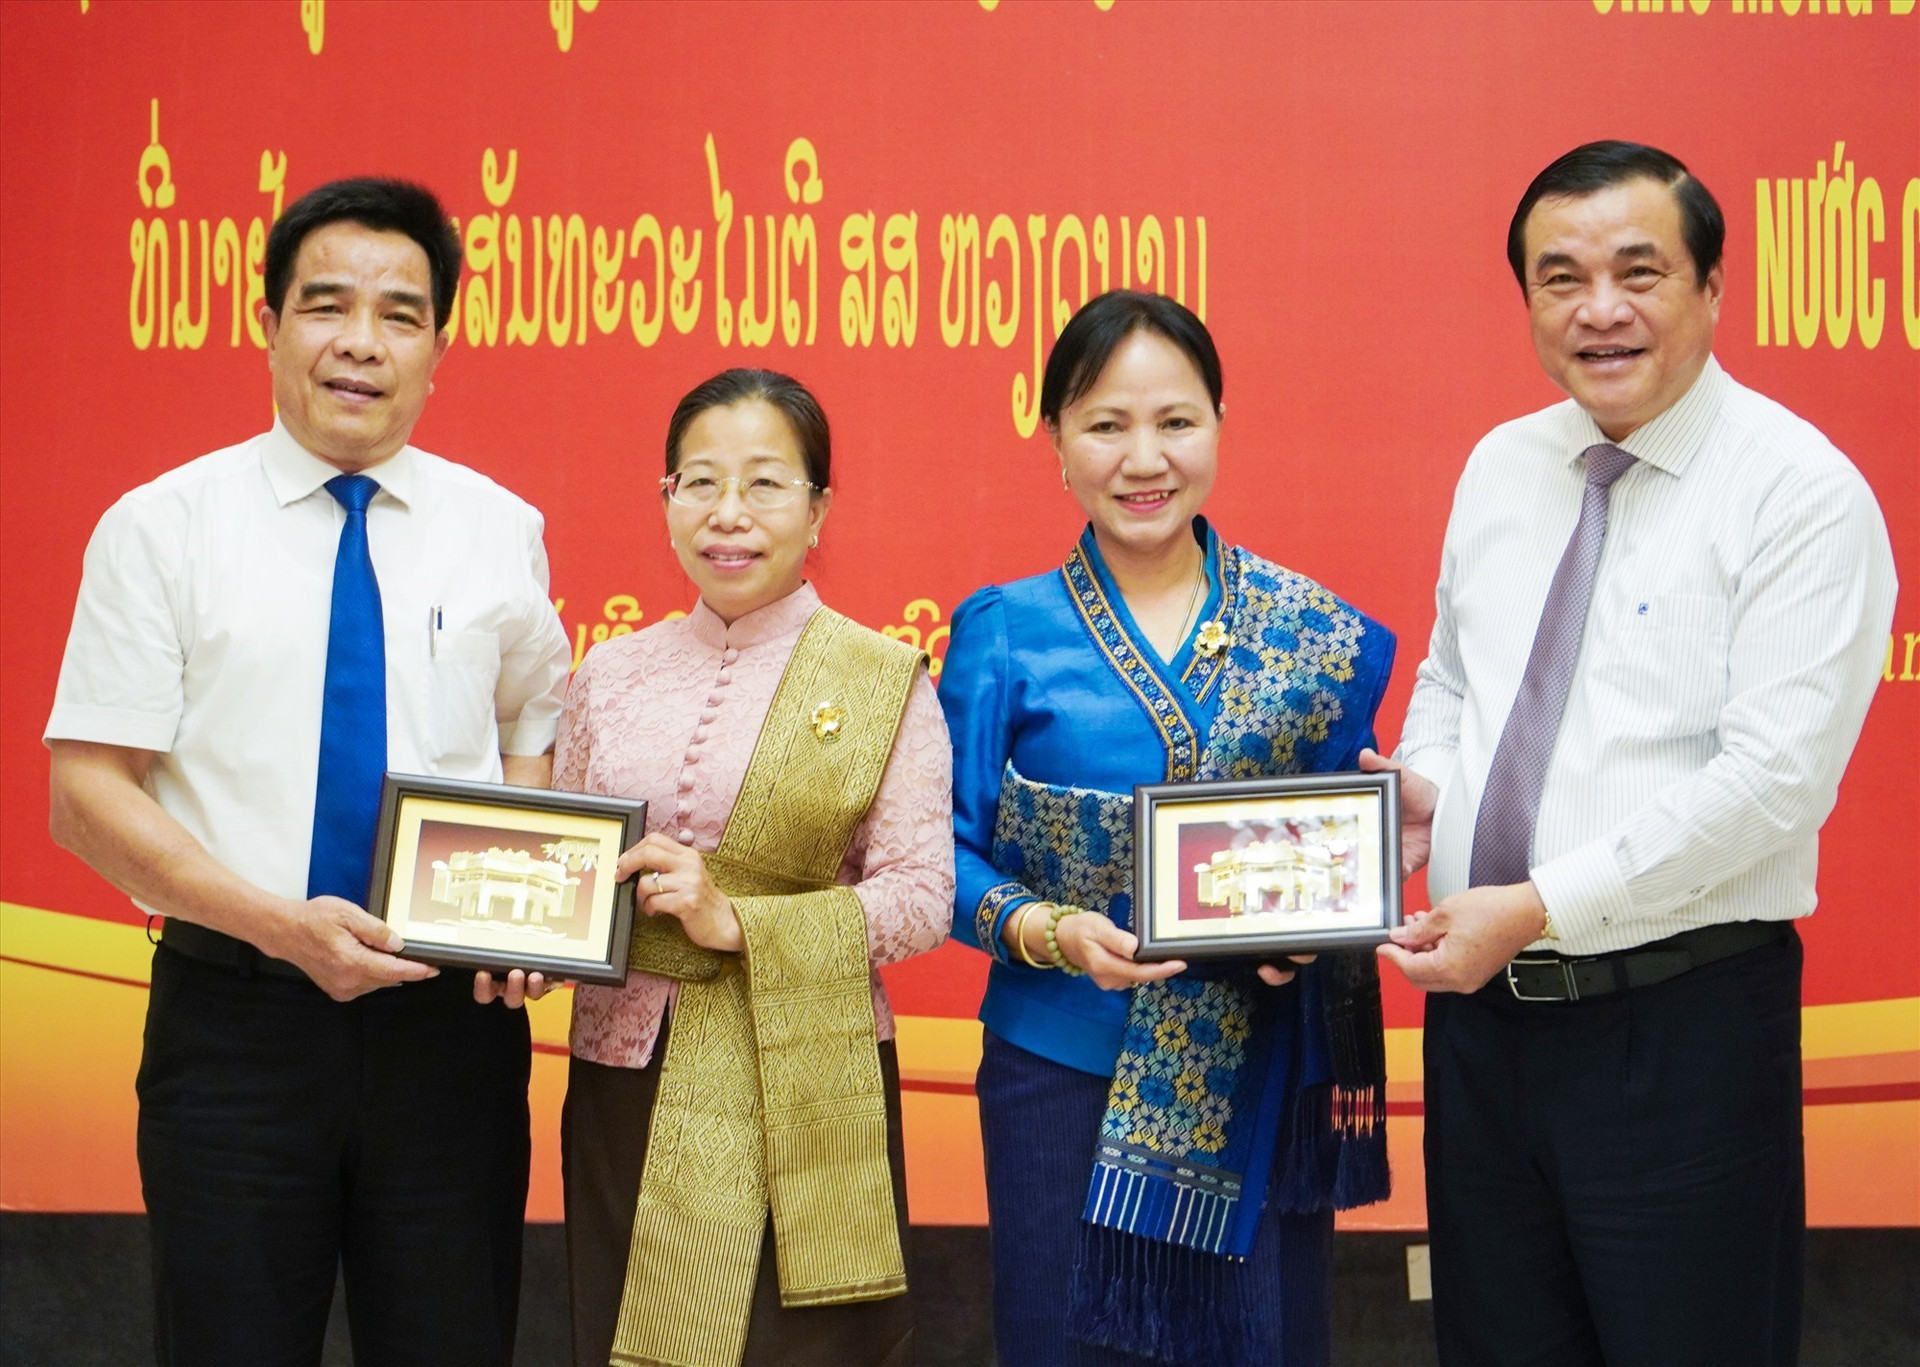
(296, 473)
(776, 621)
(1669, 441)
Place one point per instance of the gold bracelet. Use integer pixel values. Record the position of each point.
(1020, 933)
(1060, 961)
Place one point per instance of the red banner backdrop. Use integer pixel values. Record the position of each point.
(901, 205)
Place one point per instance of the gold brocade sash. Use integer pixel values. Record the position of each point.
(770, 1092)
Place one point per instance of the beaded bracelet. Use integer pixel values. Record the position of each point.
(1055, 916)
(1020, 933)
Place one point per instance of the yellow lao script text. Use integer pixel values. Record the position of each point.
(164, 308)
(1060, 264)
(560, 15)
(1821, 258)
(620, 615)
(554, 279)
(547, 276)
(934, 638)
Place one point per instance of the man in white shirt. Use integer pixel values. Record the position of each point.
(1661, 613)
(259, 634)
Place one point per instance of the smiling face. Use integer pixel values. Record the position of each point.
(1140, 448)
(742, 560)
(1619, 320)
(353, 346)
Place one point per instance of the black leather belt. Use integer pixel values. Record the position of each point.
(1556, 978)
(210, 946)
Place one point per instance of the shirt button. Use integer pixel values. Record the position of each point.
(685, 835)
(708, 715)
(713, 700)
(725, 674)
(693, 757)
(699, 734)
(686, 783)
(1695, 892)
(730, 656)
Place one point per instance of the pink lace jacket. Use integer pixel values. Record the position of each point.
(671, 714)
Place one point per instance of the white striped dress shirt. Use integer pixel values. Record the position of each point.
(1734, 641)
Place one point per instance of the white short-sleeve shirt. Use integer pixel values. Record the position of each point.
(201, 634)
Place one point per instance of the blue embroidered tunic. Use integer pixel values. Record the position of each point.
(1052, 676)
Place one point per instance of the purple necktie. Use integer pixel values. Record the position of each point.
(1503, 835)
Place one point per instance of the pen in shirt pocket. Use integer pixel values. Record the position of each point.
(433, 632)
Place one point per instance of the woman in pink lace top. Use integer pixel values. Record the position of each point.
(672, 714)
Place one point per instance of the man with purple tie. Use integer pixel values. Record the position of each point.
(260, 634)
(1660, 618)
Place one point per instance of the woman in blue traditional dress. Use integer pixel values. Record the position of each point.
(1165, 1147)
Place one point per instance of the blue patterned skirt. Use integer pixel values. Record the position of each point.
(1040, 1122)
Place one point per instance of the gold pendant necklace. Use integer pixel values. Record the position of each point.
(1193, 607)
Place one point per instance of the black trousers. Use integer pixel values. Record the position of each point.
(1620, 1181)
(285, 1136)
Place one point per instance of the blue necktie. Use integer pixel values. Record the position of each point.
(353, 717)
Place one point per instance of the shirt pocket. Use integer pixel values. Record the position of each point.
(460, 713)
(1664, 666)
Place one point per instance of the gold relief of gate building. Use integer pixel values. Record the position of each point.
(508, 887)
(1282, 874)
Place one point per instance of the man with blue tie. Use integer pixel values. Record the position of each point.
(259, 635)
(1660, 619)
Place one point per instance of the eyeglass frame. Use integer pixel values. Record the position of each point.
(670, 486)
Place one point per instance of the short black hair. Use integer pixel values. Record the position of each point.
(387, 206)
(742, 384)
(1092, 335)
(1597, 166)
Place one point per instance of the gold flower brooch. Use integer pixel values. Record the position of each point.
(828, 718)
(1212, 638)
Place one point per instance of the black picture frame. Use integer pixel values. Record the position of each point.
(514, 905)
(1325, 872)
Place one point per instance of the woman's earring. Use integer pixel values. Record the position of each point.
(813, 541)
(1063, 480)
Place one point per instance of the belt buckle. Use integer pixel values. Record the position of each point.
(1572, 993)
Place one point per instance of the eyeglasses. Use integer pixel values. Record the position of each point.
(760, 493)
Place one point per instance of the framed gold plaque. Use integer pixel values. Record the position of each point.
(485, 876)
(1263, 868)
